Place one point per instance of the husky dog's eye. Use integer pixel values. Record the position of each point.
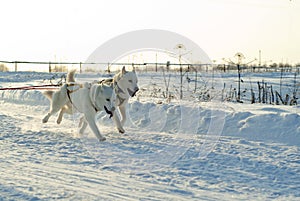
(130, 81)
(107, 99)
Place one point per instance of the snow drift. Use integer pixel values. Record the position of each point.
(279, 124)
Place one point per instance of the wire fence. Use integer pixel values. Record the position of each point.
(41, 66)
(200, 81)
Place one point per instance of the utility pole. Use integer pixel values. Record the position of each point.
(259, 61)
(156, 62)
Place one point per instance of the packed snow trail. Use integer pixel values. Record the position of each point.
(39, 162)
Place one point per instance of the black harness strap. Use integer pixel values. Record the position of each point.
(68, 94)
(71, 91)
(121, 100)
(94, 106)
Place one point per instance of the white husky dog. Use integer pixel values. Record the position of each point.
(85, 98)
(124, 85)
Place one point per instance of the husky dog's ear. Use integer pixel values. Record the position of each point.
(123, 70)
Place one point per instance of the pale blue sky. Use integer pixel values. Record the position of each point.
(72, 30)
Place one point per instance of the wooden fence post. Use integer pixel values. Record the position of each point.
(16, 66)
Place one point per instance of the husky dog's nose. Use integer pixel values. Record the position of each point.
(113, 109)
(135, 90)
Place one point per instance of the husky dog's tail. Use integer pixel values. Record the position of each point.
(48, 94)
(71, 76)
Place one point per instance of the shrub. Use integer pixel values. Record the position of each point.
(59, 68)
(3, 68)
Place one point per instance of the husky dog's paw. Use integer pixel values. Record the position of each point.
(81, 131)
(102, 139)
(45, 120)
(121, 130)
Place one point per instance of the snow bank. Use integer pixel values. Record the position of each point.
(29, 97)
(278, 124)
(251, 121)
(265, 123)
(21, 77)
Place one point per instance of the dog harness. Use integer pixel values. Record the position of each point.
(69, 91)
(116, 88)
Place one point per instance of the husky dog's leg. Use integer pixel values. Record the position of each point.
(81, 120)
(65, 109)
(122, 110)
(60, 116)
(59, 99)
(117, 122)
(90, 118)
(54, 110)
(82, 125)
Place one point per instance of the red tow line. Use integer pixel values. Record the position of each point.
(38, 87)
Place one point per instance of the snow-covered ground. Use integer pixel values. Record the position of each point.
(172, 150)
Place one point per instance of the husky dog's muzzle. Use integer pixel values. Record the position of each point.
(109, 112)
(132, 93)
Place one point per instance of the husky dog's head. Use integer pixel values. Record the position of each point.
(127, 81)
(102, 98)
